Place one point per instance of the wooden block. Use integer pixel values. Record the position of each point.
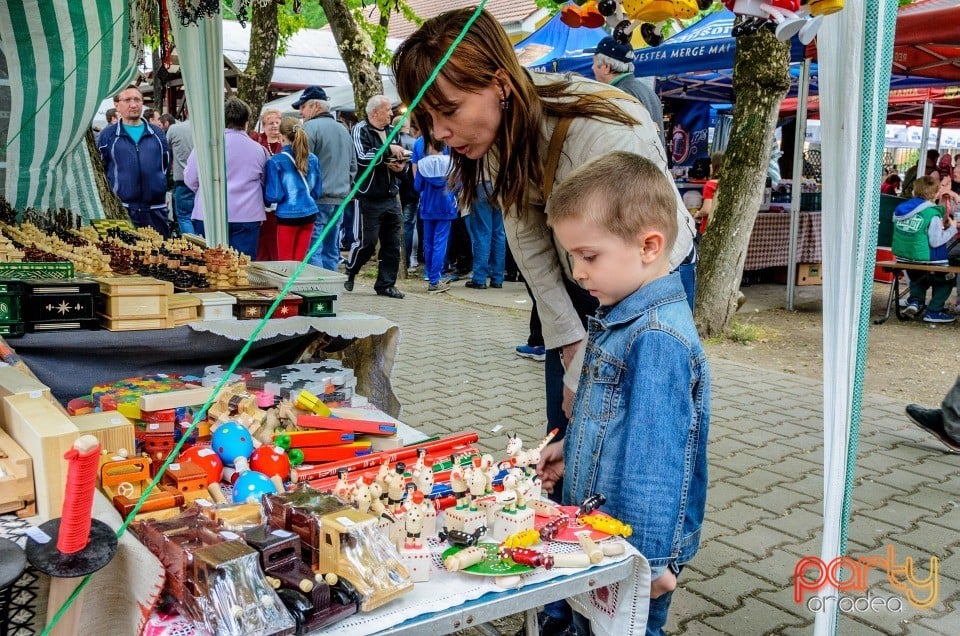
(335, 453)
(173, 399)
(113, 430)
(183, 308)
(133, 306)
(134, 324)
(15, 382)
(16, 479)
(134, 286)
(45, 433)
(306, 439)
(370, 427)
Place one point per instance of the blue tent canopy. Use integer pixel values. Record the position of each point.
(554, 41)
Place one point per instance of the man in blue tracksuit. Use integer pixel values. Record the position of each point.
(136, 159)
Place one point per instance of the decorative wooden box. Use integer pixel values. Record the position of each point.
(253, 304)
(318, 303)
(133, 286)
(134, 324)
(182, 309)
(216, 306)
(132, 306)
(59, 305)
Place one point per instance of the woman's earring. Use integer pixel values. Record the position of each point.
(505, 103)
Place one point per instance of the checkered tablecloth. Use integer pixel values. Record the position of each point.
(770, 240)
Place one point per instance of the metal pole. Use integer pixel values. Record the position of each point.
(801, 134)
(924, 134)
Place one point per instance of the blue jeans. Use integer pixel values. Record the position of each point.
(243, 236)
(485, 225)
(409, 224)
(435, 236)
(328, 255)
(183, 198)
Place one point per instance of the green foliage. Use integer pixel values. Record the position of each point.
(744, 333)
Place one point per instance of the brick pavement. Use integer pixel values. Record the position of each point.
(456, 370)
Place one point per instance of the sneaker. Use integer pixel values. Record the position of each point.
(534, 353)
(390, 292)
(931, 420)
(472, 284)
(348, 284)
(439, 288)
(938, 317)
(496, 285)
(911, 310)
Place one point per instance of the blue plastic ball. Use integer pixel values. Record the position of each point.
(252, 484)
(230, 441)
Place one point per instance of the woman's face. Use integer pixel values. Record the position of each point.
(469, 124)
(271, 125)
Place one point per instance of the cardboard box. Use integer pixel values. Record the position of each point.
(45, 432)
(809, 274)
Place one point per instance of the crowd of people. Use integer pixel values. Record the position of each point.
(286, 181)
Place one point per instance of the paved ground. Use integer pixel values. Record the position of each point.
(456, 370)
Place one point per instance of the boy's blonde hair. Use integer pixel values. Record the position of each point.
(926, 187)
(623, 192)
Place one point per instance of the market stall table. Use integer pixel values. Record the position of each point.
(770, 240)
(71, 362)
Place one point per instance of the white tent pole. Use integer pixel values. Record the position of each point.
(800, 135)
(924, 134)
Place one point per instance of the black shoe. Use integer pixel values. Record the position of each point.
(391, 291)
(472, 284)
(550, 626)
(496, 285)
(931, 420)
(348, 284)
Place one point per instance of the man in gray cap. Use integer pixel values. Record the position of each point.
(613, 64)
(332, 145)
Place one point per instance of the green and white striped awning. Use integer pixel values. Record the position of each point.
(58, 60)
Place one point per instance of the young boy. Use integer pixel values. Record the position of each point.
(438, 209)
(641, 414)
(921, 232)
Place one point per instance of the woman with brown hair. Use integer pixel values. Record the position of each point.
(523, 133)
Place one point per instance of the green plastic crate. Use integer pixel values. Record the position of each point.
(33, 271)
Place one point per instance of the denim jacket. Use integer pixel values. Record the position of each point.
(294, 193)
(640, 421)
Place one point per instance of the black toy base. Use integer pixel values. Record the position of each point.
(12, 562)
(49, 560)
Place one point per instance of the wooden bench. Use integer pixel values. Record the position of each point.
(896, 267)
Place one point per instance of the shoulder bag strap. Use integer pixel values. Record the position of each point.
(297, 170)
(553, 155)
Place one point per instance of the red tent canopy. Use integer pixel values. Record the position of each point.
(905, 105)
(927, 42)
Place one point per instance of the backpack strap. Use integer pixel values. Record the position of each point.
(560, 135)
(553, 155)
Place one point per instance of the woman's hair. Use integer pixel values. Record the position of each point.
(270, 111)
(893, 179)
(437, 145)
(484, 51)
(291, 129)
(716, 163)
(236, 113)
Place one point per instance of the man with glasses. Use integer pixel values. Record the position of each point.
(136, 159)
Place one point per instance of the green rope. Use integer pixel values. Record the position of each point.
(276, 303)
(868, 201)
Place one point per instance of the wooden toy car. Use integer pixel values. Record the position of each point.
(124, 480)
(307, 596)
(523, 539)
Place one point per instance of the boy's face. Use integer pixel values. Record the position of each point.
(609, 267)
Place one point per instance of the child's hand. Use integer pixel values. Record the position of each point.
(949, 221)
(550, 467)
(666, 583)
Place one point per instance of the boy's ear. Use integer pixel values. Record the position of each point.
(651, 244)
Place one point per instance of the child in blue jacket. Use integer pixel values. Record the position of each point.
(642, 410)
(294, 183)
(438, 209)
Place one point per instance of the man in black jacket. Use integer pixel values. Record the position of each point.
(380, 217)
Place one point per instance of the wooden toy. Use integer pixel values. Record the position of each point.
(523, 539)
(529, 557)
(188, 479)
(353, 548)
(360, 496)
(114, 431)
(483, 559)
(395, 486)
(45, 433)
(271, 461)
(591, 549)
(461, 538)
(342, 487)
(123, 482)
(306, 595)
(310, 402)
(463, 559)
(16, 479)
(207, 459)
(307, 439)
(607, 524)
(232, 441)
(335, 453)
(369, 427)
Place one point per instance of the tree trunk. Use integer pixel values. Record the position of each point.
(112, 207)
(253, 83)
(356, 53)
(760, 81)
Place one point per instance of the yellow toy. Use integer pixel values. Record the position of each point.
(623, 16)
(310, 402)
(523, 539)
(607, 524)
